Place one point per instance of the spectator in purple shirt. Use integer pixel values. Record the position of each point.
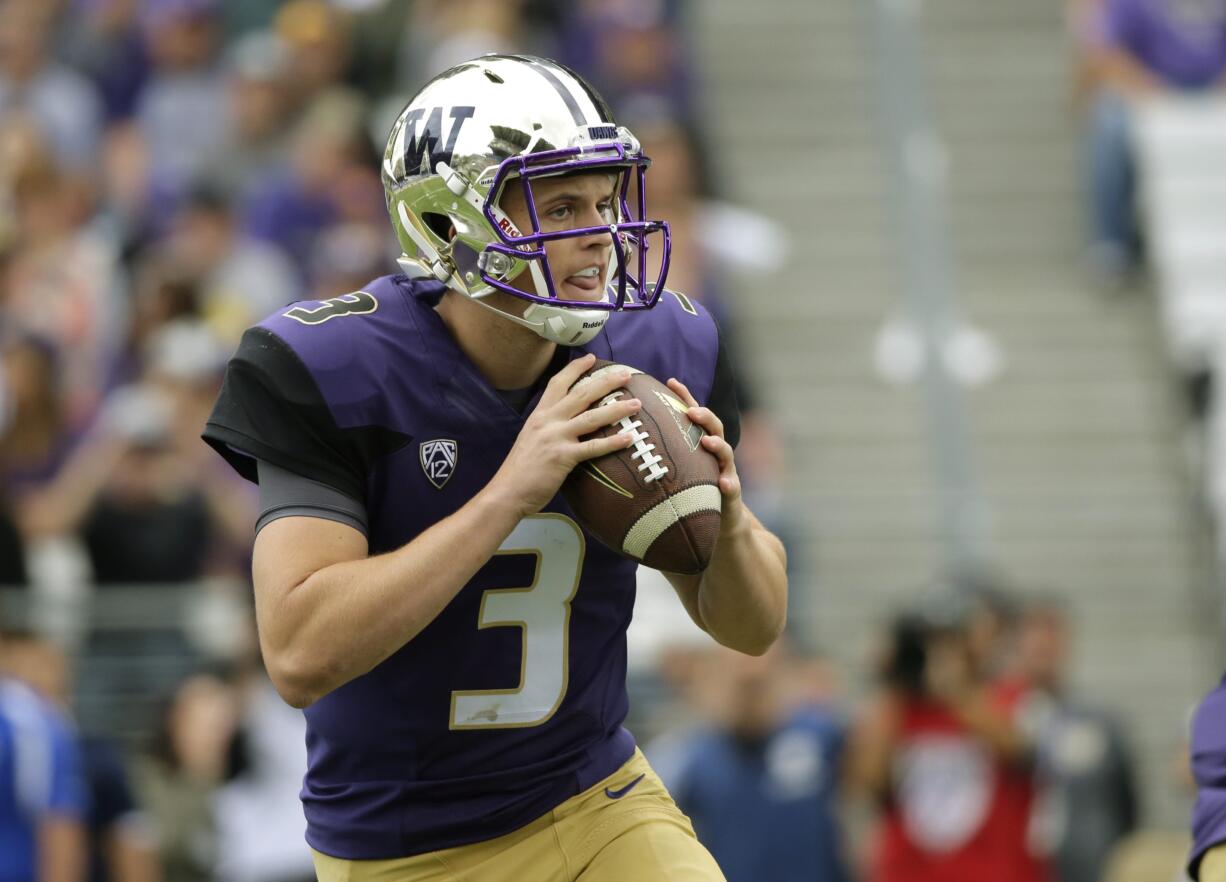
(182, 113)
(1140, 49)
(63, 103)
(632, 50)
(1207, 862)
(295, 204)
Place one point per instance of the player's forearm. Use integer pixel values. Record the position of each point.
(991, 724)
(872, 753)
(61, 850)
(233, 512)
(129, 856)
(743, 595)
(344, 619)
(62, 506)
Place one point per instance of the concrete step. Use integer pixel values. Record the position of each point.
(720, 23)
(994, 16)
(1125, 455)
(813, 322)
(1008, 296)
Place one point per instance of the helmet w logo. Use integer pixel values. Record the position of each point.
(414, 147)
(438, 459)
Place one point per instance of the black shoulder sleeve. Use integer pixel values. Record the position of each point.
(271, 409)
(723, 397)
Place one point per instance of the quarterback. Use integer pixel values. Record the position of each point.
(456, 639)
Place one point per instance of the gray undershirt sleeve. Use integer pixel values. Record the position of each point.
(285, 494)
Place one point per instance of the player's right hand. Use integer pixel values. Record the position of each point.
(549, 445)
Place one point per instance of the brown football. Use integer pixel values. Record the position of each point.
(658, 500)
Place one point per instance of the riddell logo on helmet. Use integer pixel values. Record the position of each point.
(505, 225)
(590, 325)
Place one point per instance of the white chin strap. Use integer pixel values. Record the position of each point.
(558, 324)
(566, 326)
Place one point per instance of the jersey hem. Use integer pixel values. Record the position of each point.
(620, 749)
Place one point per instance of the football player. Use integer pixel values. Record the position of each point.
(1207, 748)
(457, 640)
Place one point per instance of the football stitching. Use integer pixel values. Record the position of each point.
(657, 453)
(642, 446)
(679, 521)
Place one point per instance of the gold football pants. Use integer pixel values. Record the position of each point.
(626, 828)
(1213, 865)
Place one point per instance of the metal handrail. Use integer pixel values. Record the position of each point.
(919, 164)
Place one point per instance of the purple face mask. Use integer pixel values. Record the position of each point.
(629, 233)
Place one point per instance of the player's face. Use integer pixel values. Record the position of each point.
(579, 264)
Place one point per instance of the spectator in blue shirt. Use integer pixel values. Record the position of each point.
(761, 781)
(119, 837)
(42, 793)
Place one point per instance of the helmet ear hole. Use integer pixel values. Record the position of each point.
(438, 224)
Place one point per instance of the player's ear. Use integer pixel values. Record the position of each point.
(451, 233)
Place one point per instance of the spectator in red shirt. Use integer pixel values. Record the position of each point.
(939, 753)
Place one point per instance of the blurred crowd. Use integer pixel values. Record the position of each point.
(173, 170)
(969, 755)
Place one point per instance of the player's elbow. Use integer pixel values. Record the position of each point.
(752, 630)
(756, 640)
(293, 692)
(300, 700)
(767, 630)
(757, 644)
(299, 683)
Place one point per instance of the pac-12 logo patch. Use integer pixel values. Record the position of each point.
(438, 458)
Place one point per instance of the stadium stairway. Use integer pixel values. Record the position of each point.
(1075, 446)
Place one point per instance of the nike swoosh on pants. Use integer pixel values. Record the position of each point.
(618, 794)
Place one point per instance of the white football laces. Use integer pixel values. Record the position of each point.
(650, 462)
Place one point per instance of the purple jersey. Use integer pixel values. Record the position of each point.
(1208, 755)
(512, 700)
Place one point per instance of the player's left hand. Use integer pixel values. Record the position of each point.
(714, 442)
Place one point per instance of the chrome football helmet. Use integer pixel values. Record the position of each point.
(505, 120)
